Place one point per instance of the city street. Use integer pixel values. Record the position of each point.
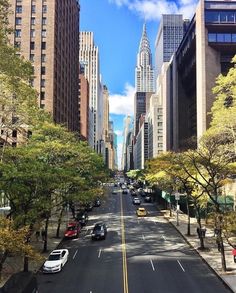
(139, 255)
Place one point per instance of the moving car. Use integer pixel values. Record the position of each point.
(141, 212)
(114, 191)
(72, 230)
(56, 261)
(99, 231)
(136, 200)
(82, 218)
(125, 191)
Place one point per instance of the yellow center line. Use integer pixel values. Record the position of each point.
(125, 273)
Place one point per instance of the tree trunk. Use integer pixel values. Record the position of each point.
(59, 223)
(45, 243)
(202, 245)
(188, 213)
(222, 251)
(26, 264)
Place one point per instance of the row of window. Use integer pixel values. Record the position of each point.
(32, 47)
(221, 38)
(19, 8)
(32, 33)
(220, 16)
(18, 21)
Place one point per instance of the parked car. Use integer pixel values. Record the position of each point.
(56, 261)
(147, 198)
(99, 231)
(141, 212)
(97, 202)
(125, 191)
(72, 230)
(114, 191)
(136, 200)
(82, 218)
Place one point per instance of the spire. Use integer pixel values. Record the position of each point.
(144, 43)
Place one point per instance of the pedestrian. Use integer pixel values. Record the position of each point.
(198, 232)
(218, 244)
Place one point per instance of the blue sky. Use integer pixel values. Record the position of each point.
(117, 27)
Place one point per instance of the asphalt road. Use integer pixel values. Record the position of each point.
(139, 255)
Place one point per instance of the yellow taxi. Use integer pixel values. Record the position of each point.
(141, 212)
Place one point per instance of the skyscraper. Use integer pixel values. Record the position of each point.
(47, 34)
(89, 56)
(144, 72)
(169, 36)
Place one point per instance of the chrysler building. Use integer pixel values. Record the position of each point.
(144, 73)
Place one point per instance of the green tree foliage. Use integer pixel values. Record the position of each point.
(12, 240)
(224, 108)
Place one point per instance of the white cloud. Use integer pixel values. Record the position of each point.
(119, 132)
(153, 9)
(123, 104)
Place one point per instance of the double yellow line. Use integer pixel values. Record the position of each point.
(125, 273)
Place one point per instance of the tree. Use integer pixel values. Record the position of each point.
(12, 240)
(224, 108)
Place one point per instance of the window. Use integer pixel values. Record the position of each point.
(32, 45)
(233, 38)
(18, 33)
(32, 20)
(44, 21)
(43, 45)
(18, 8)
(33, 8)
(42, 106)
(13, 144)
(42, 82)
(211, 38)
(42, 96)
(32, 57)
(223, 17)
(18, 20)
(44, 8)
(220, 38)
(17, 45)
(227, 38)
(43, 57)
(44, 33)
(32, 33)
(43, 70)
(14, 133)
(212, 16)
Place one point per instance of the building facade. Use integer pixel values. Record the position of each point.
(205, 51)
(169, 36)
(47, 34)
(89, 57)
(83, 106)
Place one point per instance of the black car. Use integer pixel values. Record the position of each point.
(147, 198)
(82, 218)
(97, 203)
(99, 231)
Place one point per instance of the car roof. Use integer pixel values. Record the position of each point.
(136, 198)
(141, 209)
(99, 224)
(58, 251)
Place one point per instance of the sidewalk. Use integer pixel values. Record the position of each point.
(211, 255)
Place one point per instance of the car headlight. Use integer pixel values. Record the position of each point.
(102, 234)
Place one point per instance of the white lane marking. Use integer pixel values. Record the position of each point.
(75, 254)
(143, 237)
(180, 265)
(99, 254)
(163, 237)
(152, 265)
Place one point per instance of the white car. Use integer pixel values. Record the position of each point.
(136, 200)
(56, 260)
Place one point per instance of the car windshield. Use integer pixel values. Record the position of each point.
(71, 228)
(54, 256)
(98, 228)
